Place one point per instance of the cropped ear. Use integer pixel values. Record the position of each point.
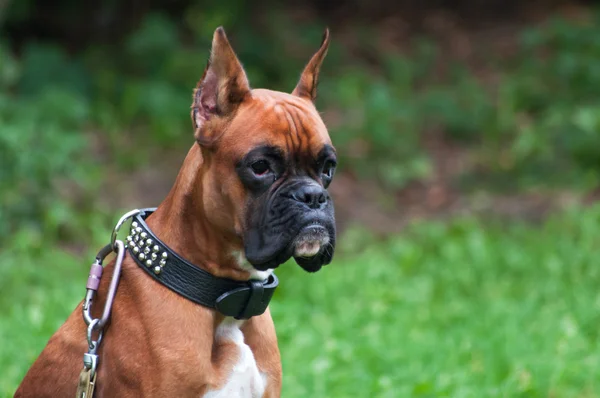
(222, 87)
(307, 86)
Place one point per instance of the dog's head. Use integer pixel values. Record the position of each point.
(267, 162)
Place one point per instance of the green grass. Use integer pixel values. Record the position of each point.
(458, 309)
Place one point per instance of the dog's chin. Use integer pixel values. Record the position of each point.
(309, 264)
(310, 246)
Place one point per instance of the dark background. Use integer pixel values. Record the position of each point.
(429, 102)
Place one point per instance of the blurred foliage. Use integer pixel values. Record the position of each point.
(41, 140)
(545, 118)
(538, 126)
(554, 84)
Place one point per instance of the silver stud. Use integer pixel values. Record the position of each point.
(136, 249)
(147, 250)
(148, 263)
(155, 248)
(136, 238)
(153, 256)
(138, 230)
(163, 262)
(129, 238)
(142, 256)
(157, 270)
(134, 224)
(164, 255)
(149, 242)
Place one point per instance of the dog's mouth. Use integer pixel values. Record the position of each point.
(310, 241)
(310, 246)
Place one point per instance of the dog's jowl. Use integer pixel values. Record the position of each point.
(190, 317)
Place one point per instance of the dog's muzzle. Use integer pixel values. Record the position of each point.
(298, 221)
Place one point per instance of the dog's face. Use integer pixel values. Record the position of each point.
(267, 161)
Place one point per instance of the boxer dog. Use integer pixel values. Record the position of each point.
(251, 194)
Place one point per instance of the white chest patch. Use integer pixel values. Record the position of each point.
(244, 381)
(243, 263)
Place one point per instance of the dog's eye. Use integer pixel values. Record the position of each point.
(328, 169)
(260, 167)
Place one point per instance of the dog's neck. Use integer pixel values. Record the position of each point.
(180, 222)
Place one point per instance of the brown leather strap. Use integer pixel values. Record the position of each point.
(87, 383)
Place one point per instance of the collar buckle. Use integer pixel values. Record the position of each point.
(248, 301)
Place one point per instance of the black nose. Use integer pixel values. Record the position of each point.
(312, 195)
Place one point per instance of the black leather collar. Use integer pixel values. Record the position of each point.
(240, 300)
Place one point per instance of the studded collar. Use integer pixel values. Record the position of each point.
(240, 300)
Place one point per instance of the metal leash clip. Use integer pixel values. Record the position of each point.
(87, 378)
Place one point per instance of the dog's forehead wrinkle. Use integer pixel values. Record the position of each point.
(299, 135)
(294, 127)
(281, 103)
